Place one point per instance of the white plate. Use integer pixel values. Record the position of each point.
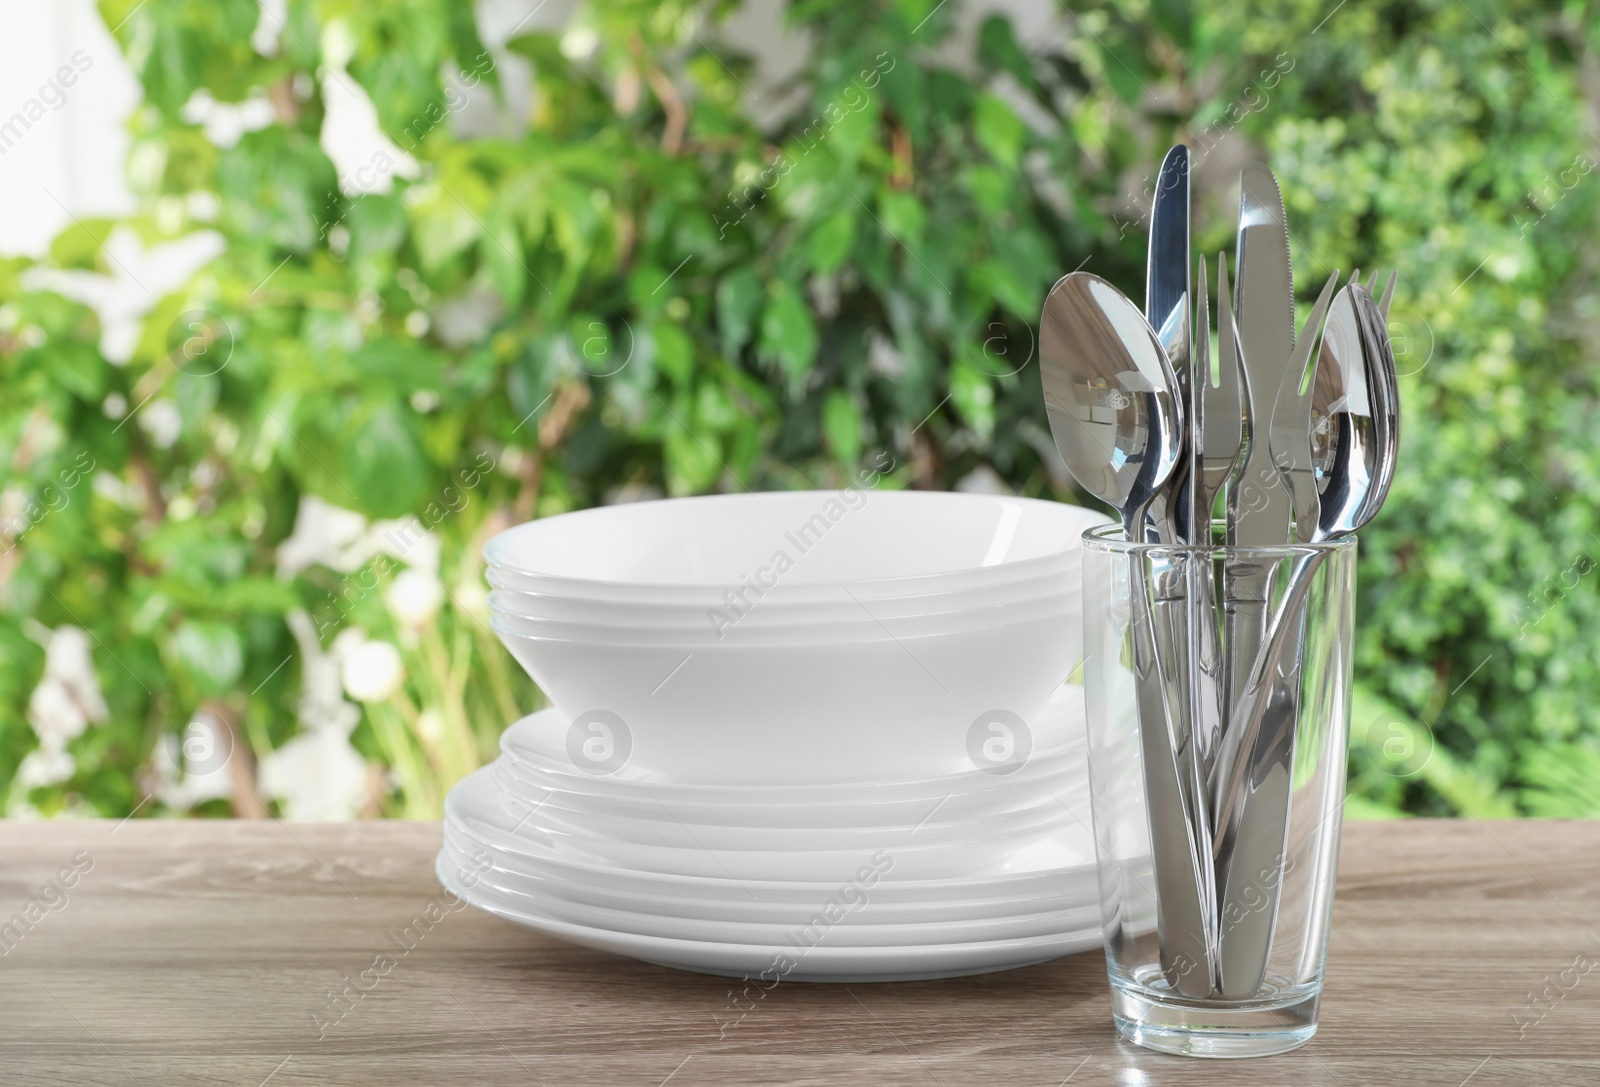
(656, 824)
(1031, 873)
(1044, 866)
(1072, 890)
(958, 799)
(785, 963)
(850, 929)
(644, 804)
(478, 804)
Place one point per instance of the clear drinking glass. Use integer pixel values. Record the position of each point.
(1218, 686)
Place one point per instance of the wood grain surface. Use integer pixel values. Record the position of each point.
(215, 953)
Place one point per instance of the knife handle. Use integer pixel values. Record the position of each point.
(1252, 783)
(1183, 904)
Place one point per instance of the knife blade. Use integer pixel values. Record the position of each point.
(1166, 292)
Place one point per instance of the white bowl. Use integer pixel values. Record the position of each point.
(918, 614)
(536, 768)
(828, 711)
(874, 622)
(543, 749)
(773, 613)
(793, 546)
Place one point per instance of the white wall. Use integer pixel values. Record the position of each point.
(71, 158)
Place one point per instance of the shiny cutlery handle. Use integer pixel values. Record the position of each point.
(1183, 914)
(1208, 677)
(1251, 792)
(1199, 696)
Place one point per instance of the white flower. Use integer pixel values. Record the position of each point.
(226, 122)
(364, 157)
(161, 422)
(322, 703)
(338, 43)
(181, 790)
(43, 767)
(342, 540)
(406, 540)
(471, 597)
(323, 535)
(54, 714)
(373, 672)
(68, 696)
(579, 43)
(318, 776)
(414, 598)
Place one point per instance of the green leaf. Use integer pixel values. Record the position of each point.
(991, 189)
(76, 367)
(79, 245)
(1563, 782)
(903, 216)
(788, 334)
(674, 351)
(398, 366)
(447, 217)
(841, 425)
(501, 252)
(279, 188)
(385, 469)
(998, 48)
(377, 224)
(739, 294)
(998, 130)
(972, 392)
(693, 461)
(918, 13)
(211, 654)
(832, 241)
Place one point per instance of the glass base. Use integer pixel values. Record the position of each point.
(1194, 1029)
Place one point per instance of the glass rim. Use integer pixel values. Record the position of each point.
(1108, 539)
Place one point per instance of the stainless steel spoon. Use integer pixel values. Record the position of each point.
(1111, 396)
(1112, 399)
(1251, 788)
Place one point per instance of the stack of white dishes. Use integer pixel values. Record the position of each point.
(811, 735)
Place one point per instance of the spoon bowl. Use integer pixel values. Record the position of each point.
(1111, 395)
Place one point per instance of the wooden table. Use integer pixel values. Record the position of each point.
(214, 953)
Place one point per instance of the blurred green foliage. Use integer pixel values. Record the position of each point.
(635, 289)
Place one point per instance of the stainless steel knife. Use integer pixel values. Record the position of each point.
(1259, 507)
(1175, 788)
(1166, 303)
(1252, 793)
(1216, 408)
